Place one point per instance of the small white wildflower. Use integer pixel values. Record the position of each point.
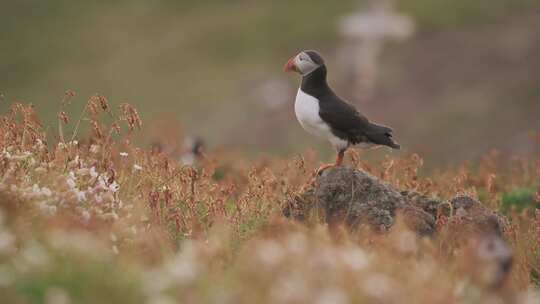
(101, 183)
(44, 208)
(74, 143)
(290, 289)
(124, 154)
(114, 186)
(83, 171)
(296, 243)
(332, 296)
(22, 156)
(71, 180)
(183, 270)
(270, 252)
(35, 254)
(377, 285)
(93, 172)
(46, 191)
(188, 159)
(40, 170)
(94, 149)
(52, 210)
(325, 257)
(407, 242)
(6, 240)
(35, 189)
(137, 167)
(80, 195)
(355, 258)
(71, 183)
(459, 289)
(90, 190)
(156, 281)
(115, 249)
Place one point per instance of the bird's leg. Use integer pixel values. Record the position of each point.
(339, 161)
(339, 158)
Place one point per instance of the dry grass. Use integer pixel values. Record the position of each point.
(99, 220)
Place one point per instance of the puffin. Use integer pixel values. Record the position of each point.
(324, 114)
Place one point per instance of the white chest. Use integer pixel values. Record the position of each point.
(306, 108)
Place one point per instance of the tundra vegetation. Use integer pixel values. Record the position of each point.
(90, 217)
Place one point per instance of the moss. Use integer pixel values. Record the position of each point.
(518, 199)
(83, 281)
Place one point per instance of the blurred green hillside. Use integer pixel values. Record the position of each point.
(469, 76)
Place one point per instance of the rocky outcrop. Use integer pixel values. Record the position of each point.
(356, 198)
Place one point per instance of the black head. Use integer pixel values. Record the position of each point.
(315, 57)
(305, 62)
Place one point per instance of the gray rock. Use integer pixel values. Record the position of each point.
(356, 198)
(430, 205)
(472, 216)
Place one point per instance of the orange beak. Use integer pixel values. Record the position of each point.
(289, 66)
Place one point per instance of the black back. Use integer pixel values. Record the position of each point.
(344, 120)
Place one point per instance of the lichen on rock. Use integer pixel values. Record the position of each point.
(357, 198)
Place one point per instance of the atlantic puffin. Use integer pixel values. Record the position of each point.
(324, 114)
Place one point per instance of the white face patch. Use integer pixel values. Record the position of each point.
(304, 64)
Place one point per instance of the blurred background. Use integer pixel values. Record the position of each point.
(454, 78)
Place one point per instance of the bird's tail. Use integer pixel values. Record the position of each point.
(382, 135)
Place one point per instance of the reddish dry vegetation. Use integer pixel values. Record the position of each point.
(99, 220)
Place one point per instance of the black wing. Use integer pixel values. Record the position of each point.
(347, 123)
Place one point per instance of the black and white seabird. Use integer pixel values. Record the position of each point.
(322, 113)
